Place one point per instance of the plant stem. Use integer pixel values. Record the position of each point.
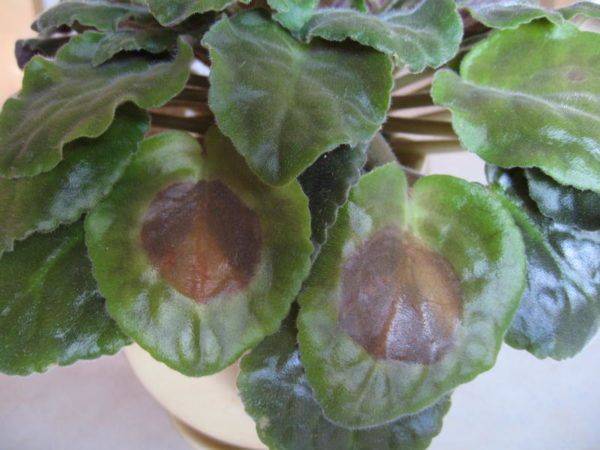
(425, 147)
(417, 126)
(193, 95)
(412, 101)
(198, 81)
(192, 124)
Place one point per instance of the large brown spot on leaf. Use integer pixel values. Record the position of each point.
(203, 239)
(400, 300)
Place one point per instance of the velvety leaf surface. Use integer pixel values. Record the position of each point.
(68, 98)
(293, 101)
(327, 184)
(410, 296)
(560, 309)
(508, 13)
(587, 9)
(417, 33)
(88, 172)
(153, 41)
(173, 12)
(277, 395)
(50, 309)
(100, 14)
(529, 98)
(205, 268)
(564, 204)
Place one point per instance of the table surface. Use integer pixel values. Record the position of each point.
(522, 404)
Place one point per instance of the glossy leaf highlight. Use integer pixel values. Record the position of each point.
(279, 398)
(327, 184)
(82, 179)
(50, 309)
(560, 308)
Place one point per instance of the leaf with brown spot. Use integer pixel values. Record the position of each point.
(209, 258)
(410, 296)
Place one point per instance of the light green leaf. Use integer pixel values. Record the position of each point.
(528, 98)
(88, 172)
(293, 101)
(103, 15)
(410, 296)
(50, 308)
(508, 13)
(153, 41)
(294, 14)
(560, 309)
(420, 34)
(277, 395)
(68, 98)
(564, 204)
(587, 9)
(173, 12)
(205, 267)
(327, 184)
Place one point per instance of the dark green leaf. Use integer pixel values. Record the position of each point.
(327, 184)
(88, 172)
(103, 15)
(560, 309)
(173, 12)
(68, 98)
(410, 296)
(418, 33)
(293, 101)
(528, 98)
(27, 48)
(153, 41)
(50, 308)
(508, 13)
(209, 259)
(277, 395)
(564, 204)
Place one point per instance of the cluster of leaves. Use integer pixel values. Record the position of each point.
(266, 198)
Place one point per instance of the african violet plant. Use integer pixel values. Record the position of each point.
(264, 210)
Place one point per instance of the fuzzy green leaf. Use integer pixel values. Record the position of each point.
(508, 13)
(102, 15)
(586, 9)
(153, 41)
(293, 101)
(68, 98)
(173, 12)
(88, 172)
(410, 297)
(205, 267)
(564, 204)
(560, 309)
(277, 395)
(50, 308)
(420, 34)
(542, 113)
(327, 184)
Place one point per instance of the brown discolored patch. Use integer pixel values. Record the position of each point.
(203, 239)
(400, 300)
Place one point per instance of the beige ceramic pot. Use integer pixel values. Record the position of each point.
(207, 411)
